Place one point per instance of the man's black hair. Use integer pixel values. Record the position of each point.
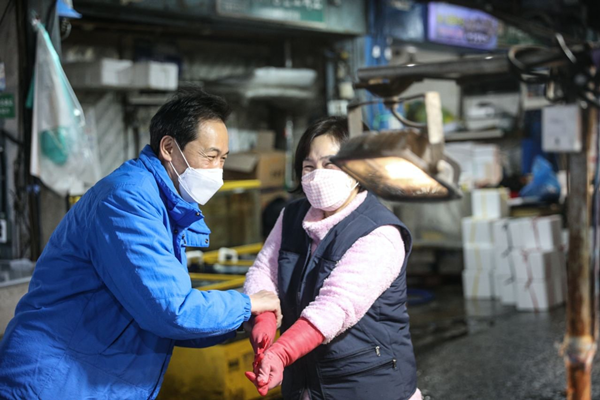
(181, 116)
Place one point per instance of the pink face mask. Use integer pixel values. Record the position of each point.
(327, 189)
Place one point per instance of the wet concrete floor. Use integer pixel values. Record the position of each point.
(483, 350)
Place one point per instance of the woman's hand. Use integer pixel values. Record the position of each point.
(262, 334)
(270, 373)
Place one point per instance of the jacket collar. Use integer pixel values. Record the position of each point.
(183, 213)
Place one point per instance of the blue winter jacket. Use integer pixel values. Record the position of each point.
(111, 296)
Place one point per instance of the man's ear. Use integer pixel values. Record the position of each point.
(166, 148)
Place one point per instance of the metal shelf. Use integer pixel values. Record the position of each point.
(474, 135)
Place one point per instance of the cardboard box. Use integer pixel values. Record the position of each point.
(154, 75)
(479, 256)
(504, 288)
(478, 284)
(535, 264)
(267, 167)
(539, 233)
(104, 73)
(263, 163)
(538, 295)
(490, 203)
(477, 231)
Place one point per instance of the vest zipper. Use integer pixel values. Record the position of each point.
(391, 363)
(301, 283)
(353, 354)
(378, 352)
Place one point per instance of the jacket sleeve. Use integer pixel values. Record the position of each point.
(263, 274)
(132, 253)
(205, 342)
(367, 270)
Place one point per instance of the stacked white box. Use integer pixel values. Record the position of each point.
(503, 244)
(486, 246)
(477, 231)
(504, 274)
(478, 284)
(538, 233)
(504, 287)
(539, 262)
(154, 75)
(536, 264)
(479, 256)
(490, 203)
(479, 163)
(540, 294)
(104, 73)
(478, 250)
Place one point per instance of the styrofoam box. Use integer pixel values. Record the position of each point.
(498, 283)
(155, 75)
(477, 231)
(542, 233)
(504, 288)
(502, 262)
(501, 235)
(538, 295)
(535, 264)
(478, 256)
(490, 203)
(487, 169)
(478, 284)
(106, 72)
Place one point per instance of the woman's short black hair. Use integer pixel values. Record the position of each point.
(336, 127)
(181, 116)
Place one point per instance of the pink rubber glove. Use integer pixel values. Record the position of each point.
(262, 334)
(296, 342)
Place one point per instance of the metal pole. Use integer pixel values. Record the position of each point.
(579, 342)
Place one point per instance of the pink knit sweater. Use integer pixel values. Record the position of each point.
(366, 270)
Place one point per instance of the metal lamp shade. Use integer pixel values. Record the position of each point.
(399, 166)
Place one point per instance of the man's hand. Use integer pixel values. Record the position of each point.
(265, 301)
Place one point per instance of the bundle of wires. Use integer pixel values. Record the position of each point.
(575, 80)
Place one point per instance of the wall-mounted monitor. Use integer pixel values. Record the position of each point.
(459, 26)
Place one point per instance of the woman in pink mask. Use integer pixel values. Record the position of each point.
(337, 258)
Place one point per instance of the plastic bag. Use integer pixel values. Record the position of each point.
(61, 153)
(544, 186)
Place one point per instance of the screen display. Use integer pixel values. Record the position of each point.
(460, 26)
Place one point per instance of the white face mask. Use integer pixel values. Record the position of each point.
(198, 185)
(327, 189)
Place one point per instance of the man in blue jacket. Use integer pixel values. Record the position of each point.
(110, 296)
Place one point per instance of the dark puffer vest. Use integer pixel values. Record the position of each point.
(374, 359)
